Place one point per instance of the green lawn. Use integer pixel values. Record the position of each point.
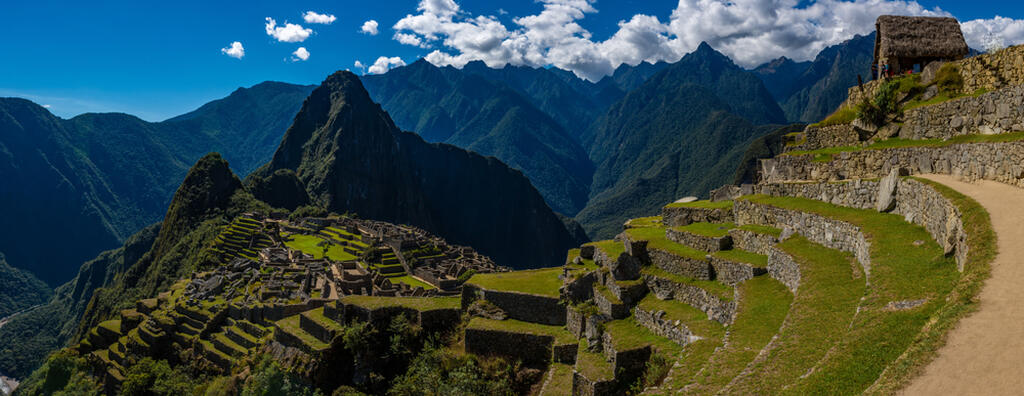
(592, 365)
(861, 350)
(413, 282)
(763, 307)
(627, 334)
(826, 153)
(705, 204)
(543, 281)
(761, 229)
(417, 303)
(291, 326)
(653, 221)
(561, 335)
(611, 248)
(655, 237)
(309, 244)
(743, 256)
(713, 230)
(559, 380)
(317, 315)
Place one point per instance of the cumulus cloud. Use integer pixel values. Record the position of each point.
(235, 50)
(993, 34)
(359, 65)
(383, 64)
(751, 32)
(312, 17)
(370, 27)
(289, 33)
(300, 54)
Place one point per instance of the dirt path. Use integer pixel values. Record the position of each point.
(984, 354)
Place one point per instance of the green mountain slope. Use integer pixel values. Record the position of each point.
(73, 188)
(518, 115)
(352, 158)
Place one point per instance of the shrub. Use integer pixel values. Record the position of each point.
(155, 377)
(884, 104)
(269, 379)
(840, 117)
(949, 80)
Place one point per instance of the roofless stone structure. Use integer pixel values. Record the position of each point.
(902, 41)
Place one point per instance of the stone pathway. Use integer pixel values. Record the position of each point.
(984, 354)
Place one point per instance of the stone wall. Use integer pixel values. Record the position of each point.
(717, 309)
(992, 71)
(583, 386)
(655, 322)
(856, 95)
(783, 268)
(699, 242)
(530, 348)
(917, 202)
(679, 265)
(520, 306)
(995, 112)
(752, 241)
(676, 216)
(814, 137)
(1001, 162)
(732, 272)
(833, 234)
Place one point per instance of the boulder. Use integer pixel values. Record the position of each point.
(587, 252)
(886, 201)
(930, 92)
(928, 73)
(726, 193)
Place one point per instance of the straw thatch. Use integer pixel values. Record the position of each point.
(903, 37)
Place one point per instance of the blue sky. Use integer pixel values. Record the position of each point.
(159, 59)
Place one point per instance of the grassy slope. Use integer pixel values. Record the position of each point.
(900, 271)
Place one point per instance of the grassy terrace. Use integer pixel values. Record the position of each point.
(308, 244)
(743, 256)
(628, 334)
(981, 240)
(655, 237)
(561, 335)
(653, 221)
(543, 281)
(342, 235)
(610, 247)
(417, 303)
(762, 310)
(716, 289)
(713, 230)
(592, 364)
(761, 229)
(876, 337)
(318, 316)
(412, 282)
(559, 380)
(291, 326)
(825, 154)
(705, 204)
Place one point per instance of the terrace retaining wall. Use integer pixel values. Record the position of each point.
(530, 348)
(717, 309)
(917, 202)
(676, 216)
(520, 306)
(995, 112)
(831, 233)
(656, 322)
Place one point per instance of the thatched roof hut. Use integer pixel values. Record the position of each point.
(903, 41)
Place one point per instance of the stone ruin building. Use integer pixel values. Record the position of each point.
(901, 42)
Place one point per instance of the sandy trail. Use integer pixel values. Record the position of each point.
(984, 354)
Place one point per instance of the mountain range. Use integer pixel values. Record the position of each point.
(500, 159)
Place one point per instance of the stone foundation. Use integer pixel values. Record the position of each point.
(655, 322)
(699, 242)
(833, 234)
(717, 309)
(674, 217)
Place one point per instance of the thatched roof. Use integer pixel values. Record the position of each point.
(918, 37)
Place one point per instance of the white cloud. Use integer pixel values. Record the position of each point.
(383, 64)
(235, 50)
(751, 32)
(312, 17)
(289, 33)
(370, 27)
(359, 65)
(993, 34)
(46, 106)
(300, 54)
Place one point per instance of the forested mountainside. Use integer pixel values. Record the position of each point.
(497, 113)
(351, 157)
(87, 183)
(810, 91)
